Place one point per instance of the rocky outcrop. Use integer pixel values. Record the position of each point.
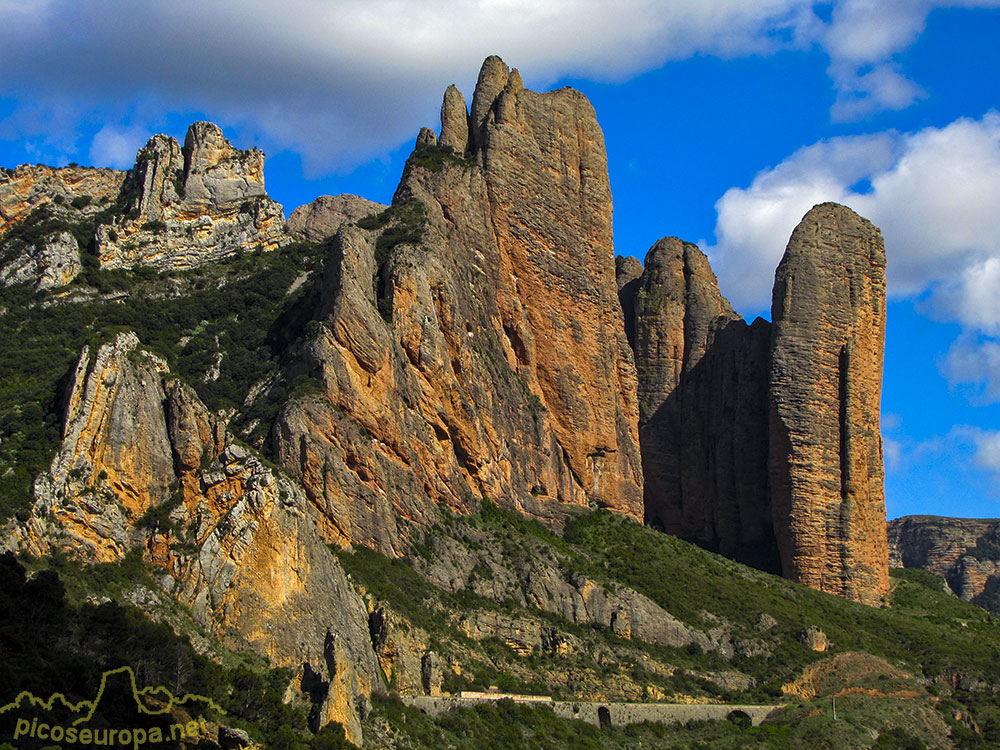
(827, 486)
(50, 263)
(702, 404)
(68, 192)
(762, 442)
(964, 551)
(184, 206)
(322, 218)
(178, 207)
(144, 464)
(115, 462)
(471, 342)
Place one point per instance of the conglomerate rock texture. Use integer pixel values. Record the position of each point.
(964, 551)
(471, 343)
(322, 218)
(476, 339)
(762, 442)
(828, 333)
(702, 404)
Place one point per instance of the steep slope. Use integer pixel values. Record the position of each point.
(144, 465)
(963, 551)
(470, 340)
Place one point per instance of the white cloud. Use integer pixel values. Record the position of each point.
(754, 223)
(934, 194)
(987, 454)
(341, 81)
(863, 39)
(116, 147)
(974, 360)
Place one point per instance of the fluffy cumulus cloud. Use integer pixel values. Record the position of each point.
(933, 193)
(864, 39)
(342, 80)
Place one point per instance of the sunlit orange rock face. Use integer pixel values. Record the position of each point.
(827, 482)
(488, 357)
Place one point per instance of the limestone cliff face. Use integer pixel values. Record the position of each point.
(702, 404)
(178, 207)
(188, 205)
(58, 198)
(53, 262)
(322, 218)
(471, 342)
(29, 187)
(827, 486)
(965, 551)
(144, 464)
(114, 464)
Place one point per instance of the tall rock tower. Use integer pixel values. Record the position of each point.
(762, 442)
(702, 405)
(825, 465)
(470, 339)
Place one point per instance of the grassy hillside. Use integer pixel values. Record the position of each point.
(918, 672)
(238, 314)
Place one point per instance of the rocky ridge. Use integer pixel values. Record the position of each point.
(762, 441)
(178, 207)
(475, 340)
(144, 465)
(452, 367)
(322, 218)
(184, 206)
(963, 551)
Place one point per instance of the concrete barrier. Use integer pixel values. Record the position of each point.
(601, 714)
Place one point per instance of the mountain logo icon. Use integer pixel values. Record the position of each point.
(120, 715)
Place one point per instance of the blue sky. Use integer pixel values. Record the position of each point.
(725, 120)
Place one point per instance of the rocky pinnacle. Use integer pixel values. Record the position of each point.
(825, 465)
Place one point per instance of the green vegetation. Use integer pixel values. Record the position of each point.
(235, 313)
(928, 631)
(436, 158)
(403, 223)
(504, 725)
(54, 644)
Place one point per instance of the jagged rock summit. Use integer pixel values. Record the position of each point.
(702, 405)
(475, 344)
(178, 207)
(762, 442)
(188, 205)
(488, 359)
